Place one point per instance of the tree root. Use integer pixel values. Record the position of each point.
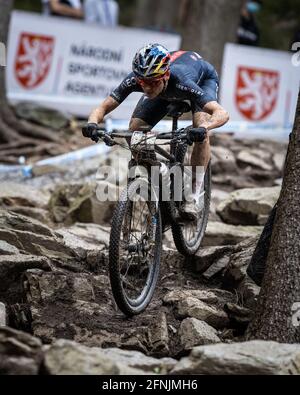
(25, 128)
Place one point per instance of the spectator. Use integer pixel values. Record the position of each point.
(248, 31)
(104, 12)
(67, 8)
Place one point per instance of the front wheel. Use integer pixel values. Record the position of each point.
(135, 248)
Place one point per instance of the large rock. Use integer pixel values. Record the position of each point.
(195, 308)
(208, 256)
(239, 261)
(217, 268)
(248, 206)
(80, 307)
(175, 296)
(12, 269)
(65, 357)
(255, 158)
(32, 236)
(71, 203)
(232, 183)
(20, 353)
(250, 358)
(223, 160)
(239, 316)
(213, 296)
(85, 238)
(37, 213)
(159, 336)
(82, 203)
(20, 194)
(7, 249)
(217, 196)
(18, 222)
(76, 306)
(194, 333)
(248, 292)
(138, 360)
(219, 234)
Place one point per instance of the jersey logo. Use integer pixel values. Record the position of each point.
(33, 59)
(257, 92)
(195, 56)
(177, 55)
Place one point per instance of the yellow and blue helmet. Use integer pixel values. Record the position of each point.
(151, 61)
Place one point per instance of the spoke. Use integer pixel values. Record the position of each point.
(128, 265)
(129, 285)
(133, 235)
(141, 213)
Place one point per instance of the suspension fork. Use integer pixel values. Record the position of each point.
(174, 128)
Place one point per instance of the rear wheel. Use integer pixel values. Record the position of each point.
(135, 248)
(188, 236)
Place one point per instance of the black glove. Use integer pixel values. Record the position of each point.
(108, 141)
(90, 131)
(197, 135)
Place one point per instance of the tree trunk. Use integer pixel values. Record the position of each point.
(208, 25)
(146, 13)
(159, 14)
(277, 317)
(257, 266)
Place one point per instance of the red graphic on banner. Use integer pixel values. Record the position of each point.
(257, 92)
(33, 59)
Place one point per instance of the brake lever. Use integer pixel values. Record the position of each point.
(108, 140)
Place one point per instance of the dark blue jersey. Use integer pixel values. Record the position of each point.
(192, 78)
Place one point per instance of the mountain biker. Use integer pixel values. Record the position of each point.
(166, 77)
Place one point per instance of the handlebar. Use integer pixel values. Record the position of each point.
(124, 134)
(192, 135)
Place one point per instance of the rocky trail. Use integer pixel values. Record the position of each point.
(57, 313)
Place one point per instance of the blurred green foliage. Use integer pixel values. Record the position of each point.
(278, 19)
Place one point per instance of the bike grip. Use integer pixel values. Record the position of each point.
(88, 129)
(85, 131)
(198, 134)
(199, 130)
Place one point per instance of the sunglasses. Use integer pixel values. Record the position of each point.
(154, 82)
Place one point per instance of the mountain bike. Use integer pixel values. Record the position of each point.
(143, 212)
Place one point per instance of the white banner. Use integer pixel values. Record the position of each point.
(259, 85)
(71, 66)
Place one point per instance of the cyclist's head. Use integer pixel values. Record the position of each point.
(151, 65)
(151, 62)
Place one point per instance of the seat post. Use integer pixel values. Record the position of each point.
(175, 124)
